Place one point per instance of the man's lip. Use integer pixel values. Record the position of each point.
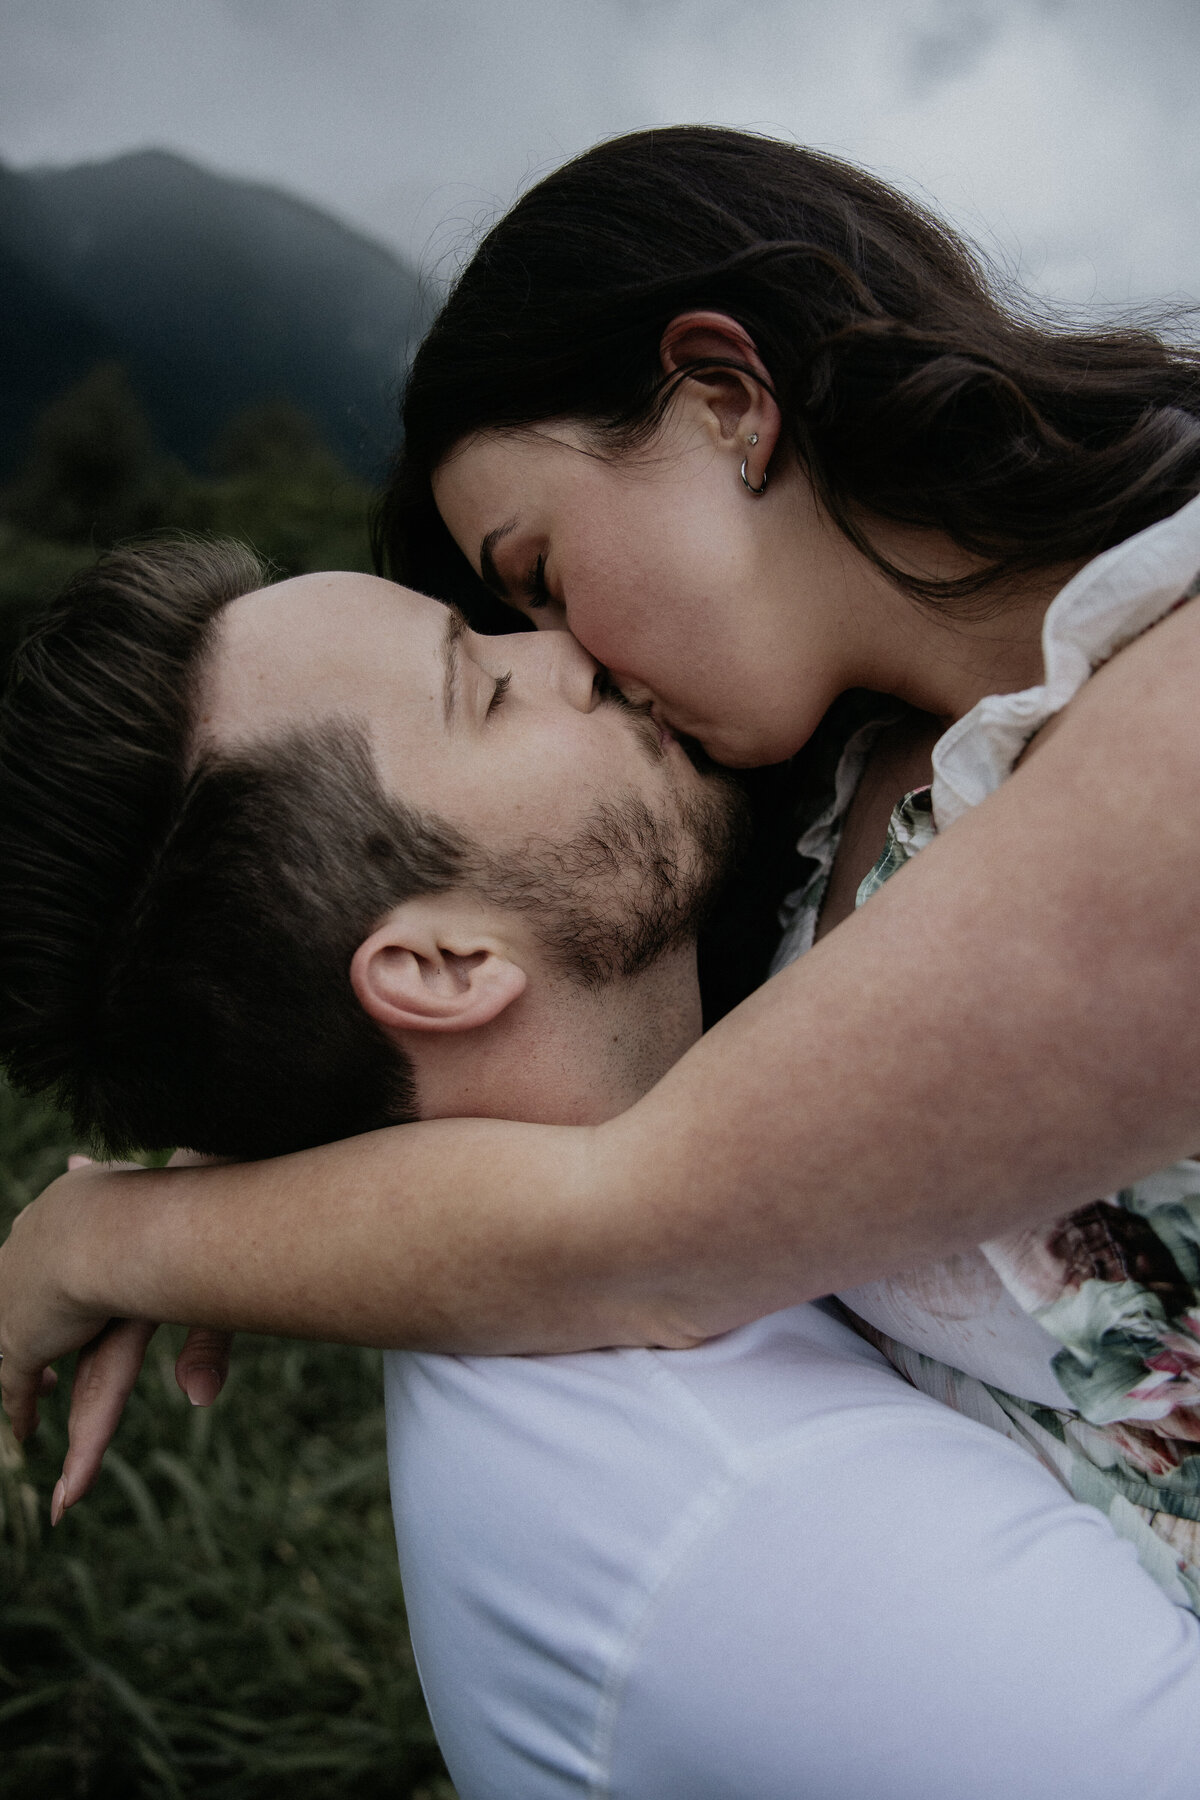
(665, 733)
(656, 739)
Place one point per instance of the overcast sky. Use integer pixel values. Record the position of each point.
(1062, 134)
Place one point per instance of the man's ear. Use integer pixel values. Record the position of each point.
(740, 400)
(421, 971)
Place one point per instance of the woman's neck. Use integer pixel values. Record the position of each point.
(928, 653)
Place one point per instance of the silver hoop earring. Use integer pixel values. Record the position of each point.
(756, 491)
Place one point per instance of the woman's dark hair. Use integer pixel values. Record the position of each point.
(911, 391)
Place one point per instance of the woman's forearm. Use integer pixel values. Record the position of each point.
(463, 1235)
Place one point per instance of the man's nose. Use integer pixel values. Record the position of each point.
(556, 661)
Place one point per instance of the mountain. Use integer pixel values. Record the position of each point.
(47, 341)
(216, 294)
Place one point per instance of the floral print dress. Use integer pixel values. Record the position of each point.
(1112, 1291)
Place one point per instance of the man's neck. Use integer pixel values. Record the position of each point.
(564, 1054)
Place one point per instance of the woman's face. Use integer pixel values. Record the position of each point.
(718, 608)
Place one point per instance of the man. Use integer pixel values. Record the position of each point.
(287, 862)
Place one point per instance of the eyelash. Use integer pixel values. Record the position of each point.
(538, 593)
(498, 693)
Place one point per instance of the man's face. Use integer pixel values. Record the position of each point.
(571, 795)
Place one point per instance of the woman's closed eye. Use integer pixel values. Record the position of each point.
(537, 592)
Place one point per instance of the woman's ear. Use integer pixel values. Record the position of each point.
(739, 401)
(412, 974)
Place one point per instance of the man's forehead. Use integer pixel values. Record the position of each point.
(314, 640)
(325, 596)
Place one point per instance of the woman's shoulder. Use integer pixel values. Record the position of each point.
(1110, 603)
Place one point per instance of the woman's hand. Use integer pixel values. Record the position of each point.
(106, 1373)
(40, 1321)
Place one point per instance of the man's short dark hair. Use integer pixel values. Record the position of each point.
(176, 932)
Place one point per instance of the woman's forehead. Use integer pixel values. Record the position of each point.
(498, 461)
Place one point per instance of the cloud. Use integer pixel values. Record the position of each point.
(952, 43)
(394, 113)
(1062, 136)
(1062, 132)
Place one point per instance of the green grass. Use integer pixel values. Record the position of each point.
(222, 1616)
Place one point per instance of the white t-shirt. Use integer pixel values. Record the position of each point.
(767, 1569)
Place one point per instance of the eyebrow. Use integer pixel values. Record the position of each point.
(490, 574)
(452, 635)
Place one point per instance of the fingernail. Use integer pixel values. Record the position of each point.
(202, 1386)
(58, 1501)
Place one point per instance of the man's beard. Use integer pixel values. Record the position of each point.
(630, 885)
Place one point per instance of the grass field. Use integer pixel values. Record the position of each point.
(222, 1617)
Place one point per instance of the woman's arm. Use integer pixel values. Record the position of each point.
(1011, 1027)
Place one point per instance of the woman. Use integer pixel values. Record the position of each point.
(676, 301)
(761, 389)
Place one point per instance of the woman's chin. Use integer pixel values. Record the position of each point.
(736, 750)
